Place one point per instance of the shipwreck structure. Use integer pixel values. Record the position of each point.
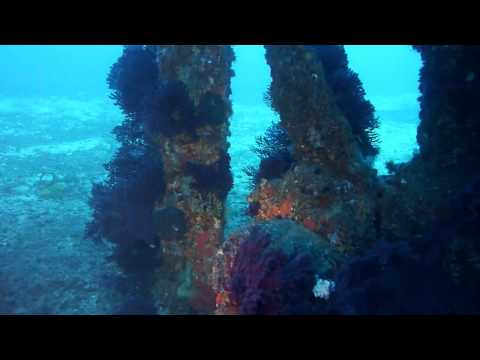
(318, 205)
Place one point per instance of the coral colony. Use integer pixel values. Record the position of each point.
(329, 235)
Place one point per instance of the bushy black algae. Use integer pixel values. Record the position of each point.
(349, 95)
(215, 178)
(448, 133)
(275, 152)
(123, 205)
(395, 279)
(431, 204)
(456, 230)
(170, 110)
(436, 274)
(212, 110)
(133, 76)
(420, 191)
(170, 223)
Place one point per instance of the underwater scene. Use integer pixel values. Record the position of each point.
(239, 180)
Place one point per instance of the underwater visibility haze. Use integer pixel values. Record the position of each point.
(239, 180)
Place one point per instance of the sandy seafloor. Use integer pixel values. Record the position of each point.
(52, 149)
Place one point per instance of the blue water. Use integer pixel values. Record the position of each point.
(56, 70)
(70, 70)
(387, 70)
(390, 77)
(55, 124)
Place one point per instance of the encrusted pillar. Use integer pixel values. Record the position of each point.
(330, 189)
(420, 191)
(191, 135)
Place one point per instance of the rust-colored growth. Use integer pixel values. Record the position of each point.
(284, 209)
(331, 184)
(203, 252)
(310, 224)
(202, 69)
(323, 201)
(203, 247)
(224, 262)
(224, 304)
(273, 203)
(268, 210)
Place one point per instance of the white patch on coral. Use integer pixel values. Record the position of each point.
(323, 288)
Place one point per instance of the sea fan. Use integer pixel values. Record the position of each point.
(267, 281)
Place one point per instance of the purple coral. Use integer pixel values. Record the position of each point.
(266, 280)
